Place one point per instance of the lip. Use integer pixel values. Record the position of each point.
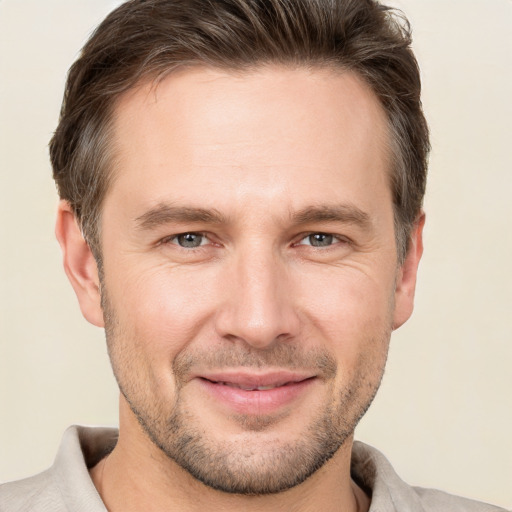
(256, 393)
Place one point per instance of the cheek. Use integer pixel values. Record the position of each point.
(350, 309)
(155, 316)
(163, 309)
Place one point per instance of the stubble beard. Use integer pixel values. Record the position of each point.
(254, 463)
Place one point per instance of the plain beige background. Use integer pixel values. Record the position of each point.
(444, 413)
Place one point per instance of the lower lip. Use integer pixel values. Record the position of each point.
(257, 402)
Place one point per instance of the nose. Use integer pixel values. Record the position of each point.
(258, 306)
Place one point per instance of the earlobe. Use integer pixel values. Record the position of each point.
(406, 280)
(79, 264)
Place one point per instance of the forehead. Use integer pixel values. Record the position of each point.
(264, 131)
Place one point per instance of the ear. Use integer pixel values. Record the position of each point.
(79, 264)
(406, 279)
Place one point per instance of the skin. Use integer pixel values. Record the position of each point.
(265, 155)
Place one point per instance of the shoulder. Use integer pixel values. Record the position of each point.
(38, 492)
(66, 486)
(373, 472)
(434, 500)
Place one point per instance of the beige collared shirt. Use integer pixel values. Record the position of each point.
(67, 486)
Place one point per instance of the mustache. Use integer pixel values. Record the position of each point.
(283, 356)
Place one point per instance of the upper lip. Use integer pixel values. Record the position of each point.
(253, 379)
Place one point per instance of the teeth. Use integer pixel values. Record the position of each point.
(245, 388)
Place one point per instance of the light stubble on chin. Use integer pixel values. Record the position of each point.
(255, 463)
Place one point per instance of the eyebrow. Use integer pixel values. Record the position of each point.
(346, 213)
(167, 214)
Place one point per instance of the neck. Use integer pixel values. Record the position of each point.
(139, 476)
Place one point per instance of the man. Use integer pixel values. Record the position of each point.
(241, 189)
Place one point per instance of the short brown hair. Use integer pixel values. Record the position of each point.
(144, 39)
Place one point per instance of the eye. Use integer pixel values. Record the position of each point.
(189, 240)
(319, 240)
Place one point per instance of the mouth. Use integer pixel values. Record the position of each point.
(251, 394)
(256, 381)
(251, 388)
(255, 387)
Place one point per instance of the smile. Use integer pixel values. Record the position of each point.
(253, 388)
(256, 394)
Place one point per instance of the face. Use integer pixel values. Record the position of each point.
(250, 272)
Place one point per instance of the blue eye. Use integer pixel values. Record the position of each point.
(189, 240)
(319, 240)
